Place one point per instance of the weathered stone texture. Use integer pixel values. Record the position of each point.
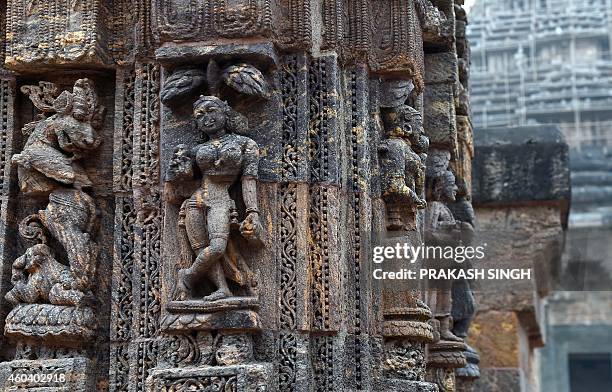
(190, 192)
(521, 165)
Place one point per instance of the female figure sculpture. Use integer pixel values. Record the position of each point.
(208, 218)
(441, 229)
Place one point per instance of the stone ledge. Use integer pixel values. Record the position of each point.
(521, 165)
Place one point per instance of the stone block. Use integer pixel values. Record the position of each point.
(439, 122)
(57, 375)
(441, 68)
(248, 378)
(522, 164)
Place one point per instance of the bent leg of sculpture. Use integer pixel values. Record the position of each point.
(199, 225)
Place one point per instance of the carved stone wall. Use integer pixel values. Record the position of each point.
(190, 192)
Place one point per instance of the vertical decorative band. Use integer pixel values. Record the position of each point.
(322, 169)
(357, 130)
(288, 252)
(125, 217)
(7, 94)
(5, 136)
(147, 199)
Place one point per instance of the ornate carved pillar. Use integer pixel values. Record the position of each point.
(214, 230)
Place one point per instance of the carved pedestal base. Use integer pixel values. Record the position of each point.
(444, 357)
(237, 313)
(64, 325)
(50, 354)
(49, 375)
(208, 346)
(406, 332)
(467, 375)
(253, 377)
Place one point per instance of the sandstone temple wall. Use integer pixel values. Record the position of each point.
(190, 191)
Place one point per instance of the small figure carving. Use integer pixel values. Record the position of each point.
(55, 144)
(430, 16)
(35, 274)
(208, 220)
(403, 170)
(442, 229)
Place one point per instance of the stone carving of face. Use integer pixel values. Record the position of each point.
(405, 121)
(397, 121)
(448, 185)
(211, 115)
(78, 116)
(75, 135)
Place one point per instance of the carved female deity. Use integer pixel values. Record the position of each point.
(441, 229)
(404, 171)
(208, 218)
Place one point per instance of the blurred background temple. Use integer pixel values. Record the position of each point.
(548, 62)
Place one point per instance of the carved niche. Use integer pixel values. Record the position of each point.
(53, 293)
(213, 299)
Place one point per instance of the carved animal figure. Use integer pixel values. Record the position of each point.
(34, 274)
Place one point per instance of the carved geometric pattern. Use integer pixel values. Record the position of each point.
(126, 148)
(147, 173)
(320, 109)
(122, 309)
(5, 148)
(323, 365)
(356, 132)
(299, 16)
(287, 348)
(191, 19)
(320, 126)
(208, 384)
(147, 357)
(288, 279)
(122, 287)
(289, 93)
(359, 29)
(333, 23)
(148, 225)
(318, 253)
(149, 250)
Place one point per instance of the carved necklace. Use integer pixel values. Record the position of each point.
(217, 145)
